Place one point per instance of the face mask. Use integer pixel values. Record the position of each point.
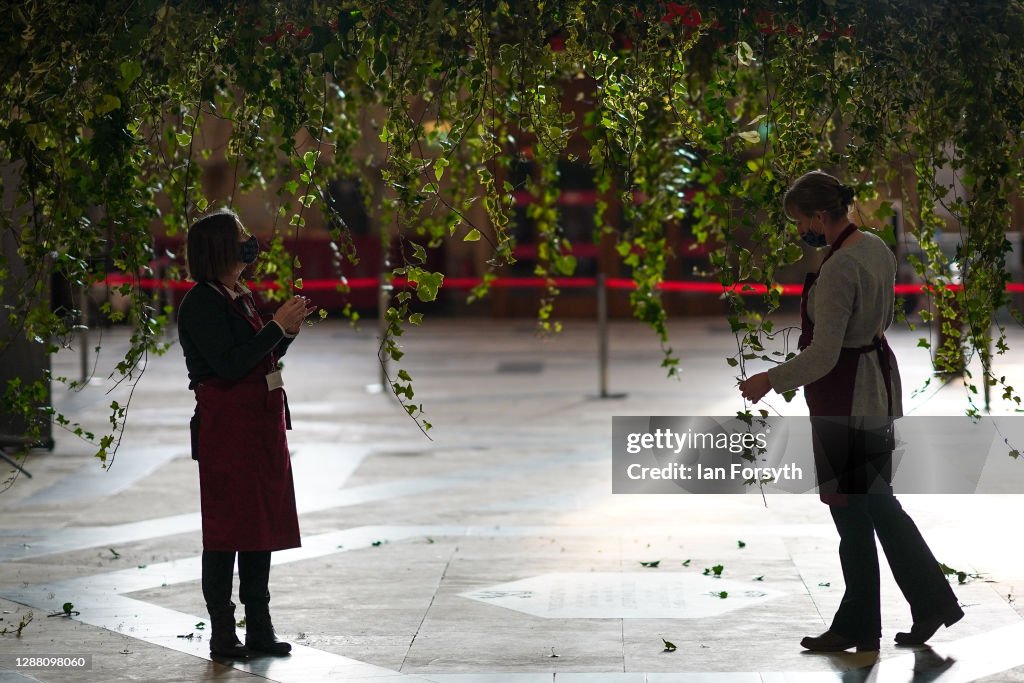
(814, 239)
(249, 250)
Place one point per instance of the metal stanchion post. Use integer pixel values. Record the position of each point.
(383, 299)
(602, 335)
(985, 375)
(83, 332)
(602, 338)
(168, 303)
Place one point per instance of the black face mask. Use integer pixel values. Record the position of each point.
(814, 239)
(249, 250)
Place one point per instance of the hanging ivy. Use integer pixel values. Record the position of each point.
(703, 110)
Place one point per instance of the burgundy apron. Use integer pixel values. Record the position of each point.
(832, 395)
(245, 474)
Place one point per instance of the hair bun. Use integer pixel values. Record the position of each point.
(846, 193)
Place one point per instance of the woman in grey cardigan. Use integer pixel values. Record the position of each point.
(852, 387)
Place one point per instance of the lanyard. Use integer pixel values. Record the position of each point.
(244, 305)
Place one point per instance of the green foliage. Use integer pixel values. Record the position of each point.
(24, 621)
(704, 112)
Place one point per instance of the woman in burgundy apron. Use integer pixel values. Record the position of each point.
(238, 430)
(852, 387)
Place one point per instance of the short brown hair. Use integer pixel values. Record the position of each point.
(818, 191)
(213, 245)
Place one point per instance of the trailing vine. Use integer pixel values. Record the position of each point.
(688, 114)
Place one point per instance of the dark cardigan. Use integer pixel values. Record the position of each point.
(218, 341)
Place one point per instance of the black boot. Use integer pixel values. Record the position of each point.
(223, 639)
(259, 632)
(218, 568)
(254, 592)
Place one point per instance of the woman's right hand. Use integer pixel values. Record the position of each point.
(292, 312)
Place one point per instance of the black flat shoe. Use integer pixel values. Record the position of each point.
(834, 642)
(922, 630)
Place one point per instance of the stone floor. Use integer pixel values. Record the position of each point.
(494, 551)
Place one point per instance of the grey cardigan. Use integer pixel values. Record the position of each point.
(851, 302)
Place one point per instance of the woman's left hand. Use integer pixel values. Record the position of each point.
(755, 387)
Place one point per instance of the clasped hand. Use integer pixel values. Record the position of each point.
(755, 387)
(292, 312)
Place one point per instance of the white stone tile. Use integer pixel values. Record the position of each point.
(605, 595)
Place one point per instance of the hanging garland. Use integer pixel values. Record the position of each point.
(704, 111)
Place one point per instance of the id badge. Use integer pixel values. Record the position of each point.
(274, 380)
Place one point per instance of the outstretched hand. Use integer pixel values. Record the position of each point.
(292, 312)
(755, 387)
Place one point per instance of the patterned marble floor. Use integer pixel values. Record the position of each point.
(493, 552)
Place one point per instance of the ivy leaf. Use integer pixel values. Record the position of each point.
(419, 254)
(744, 53)
(129, 72)
(427, 285)
(686, 563)
(472, 236)
(108, 104)
(741, 544)
(652, 564)
(751, 136)
(669, 647)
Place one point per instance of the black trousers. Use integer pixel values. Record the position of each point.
(915, 569)
(253, 578)
(853, 462)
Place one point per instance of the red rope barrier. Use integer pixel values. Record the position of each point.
(523, 283)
